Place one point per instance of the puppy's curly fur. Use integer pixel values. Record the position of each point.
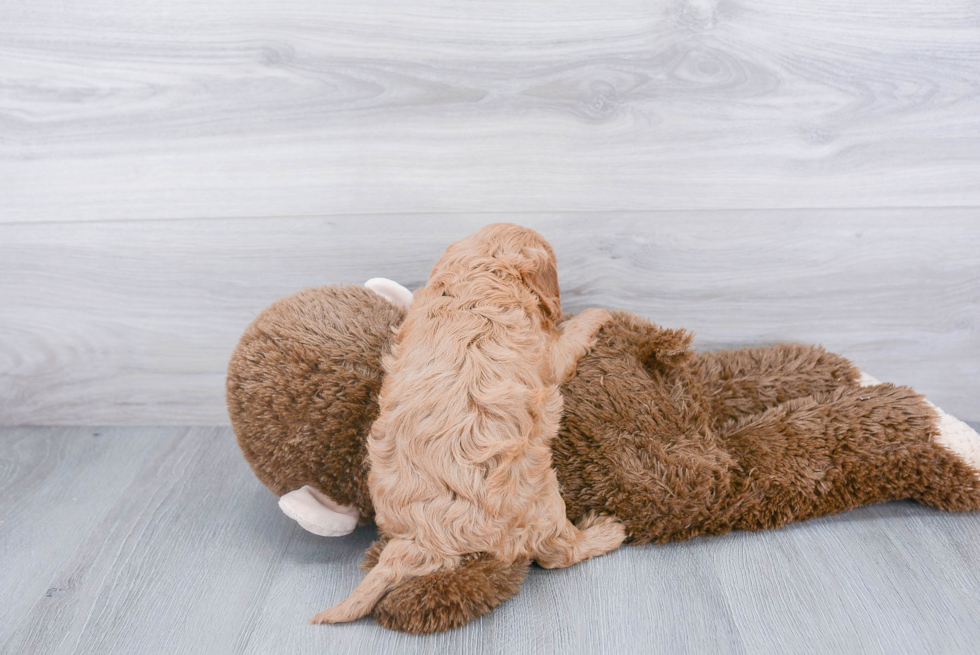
(460, 458)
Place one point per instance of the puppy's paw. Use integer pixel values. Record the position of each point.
(578, 337)
(604, 533)
(591, 321)
(594, 319)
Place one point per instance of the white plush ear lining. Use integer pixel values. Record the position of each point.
(318, 513)
(391, 291)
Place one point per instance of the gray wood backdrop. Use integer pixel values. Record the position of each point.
(755, 171)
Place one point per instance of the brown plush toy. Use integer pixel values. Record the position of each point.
(673, 442)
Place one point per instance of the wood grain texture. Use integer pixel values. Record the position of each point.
(180, 550)
(133, 322)
(182, 109)
(56, 484)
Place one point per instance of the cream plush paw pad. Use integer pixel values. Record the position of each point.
(318, 513)
(954, 435)
(867, 381)
(959, 438)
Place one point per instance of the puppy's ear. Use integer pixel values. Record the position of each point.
(542, 277)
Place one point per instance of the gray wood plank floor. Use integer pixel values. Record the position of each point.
(137, 540)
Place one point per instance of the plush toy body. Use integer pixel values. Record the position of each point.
(674, 443)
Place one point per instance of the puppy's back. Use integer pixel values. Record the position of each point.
(467, 388)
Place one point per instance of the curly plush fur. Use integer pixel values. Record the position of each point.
(673, 442)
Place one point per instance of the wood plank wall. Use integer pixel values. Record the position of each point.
(754, 171)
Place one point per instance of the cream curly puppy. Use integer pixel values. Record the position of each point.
(460, 457)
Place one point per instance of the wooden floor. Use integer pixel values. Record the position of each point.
(160, 540)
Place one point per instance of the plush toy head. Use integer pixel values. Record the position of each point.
(302, 391)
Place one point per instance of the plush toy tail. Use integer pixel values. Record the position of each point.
(399, 561)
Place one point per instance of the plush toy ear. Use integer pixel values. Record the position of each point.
(391, 291)
(318, 513)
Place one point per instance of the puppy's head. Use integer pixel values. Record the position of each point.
(515, 251)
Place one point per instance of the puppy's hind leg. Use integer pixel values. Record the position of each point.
(399, 561)
(595, 535)
(578, 336)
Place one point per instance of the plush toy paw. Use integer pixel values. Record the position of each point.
(318, 513)
(959, 438)
(954, 435)
(867, 380)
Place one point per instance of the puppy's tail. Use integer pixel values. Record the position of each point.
(400, 560)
